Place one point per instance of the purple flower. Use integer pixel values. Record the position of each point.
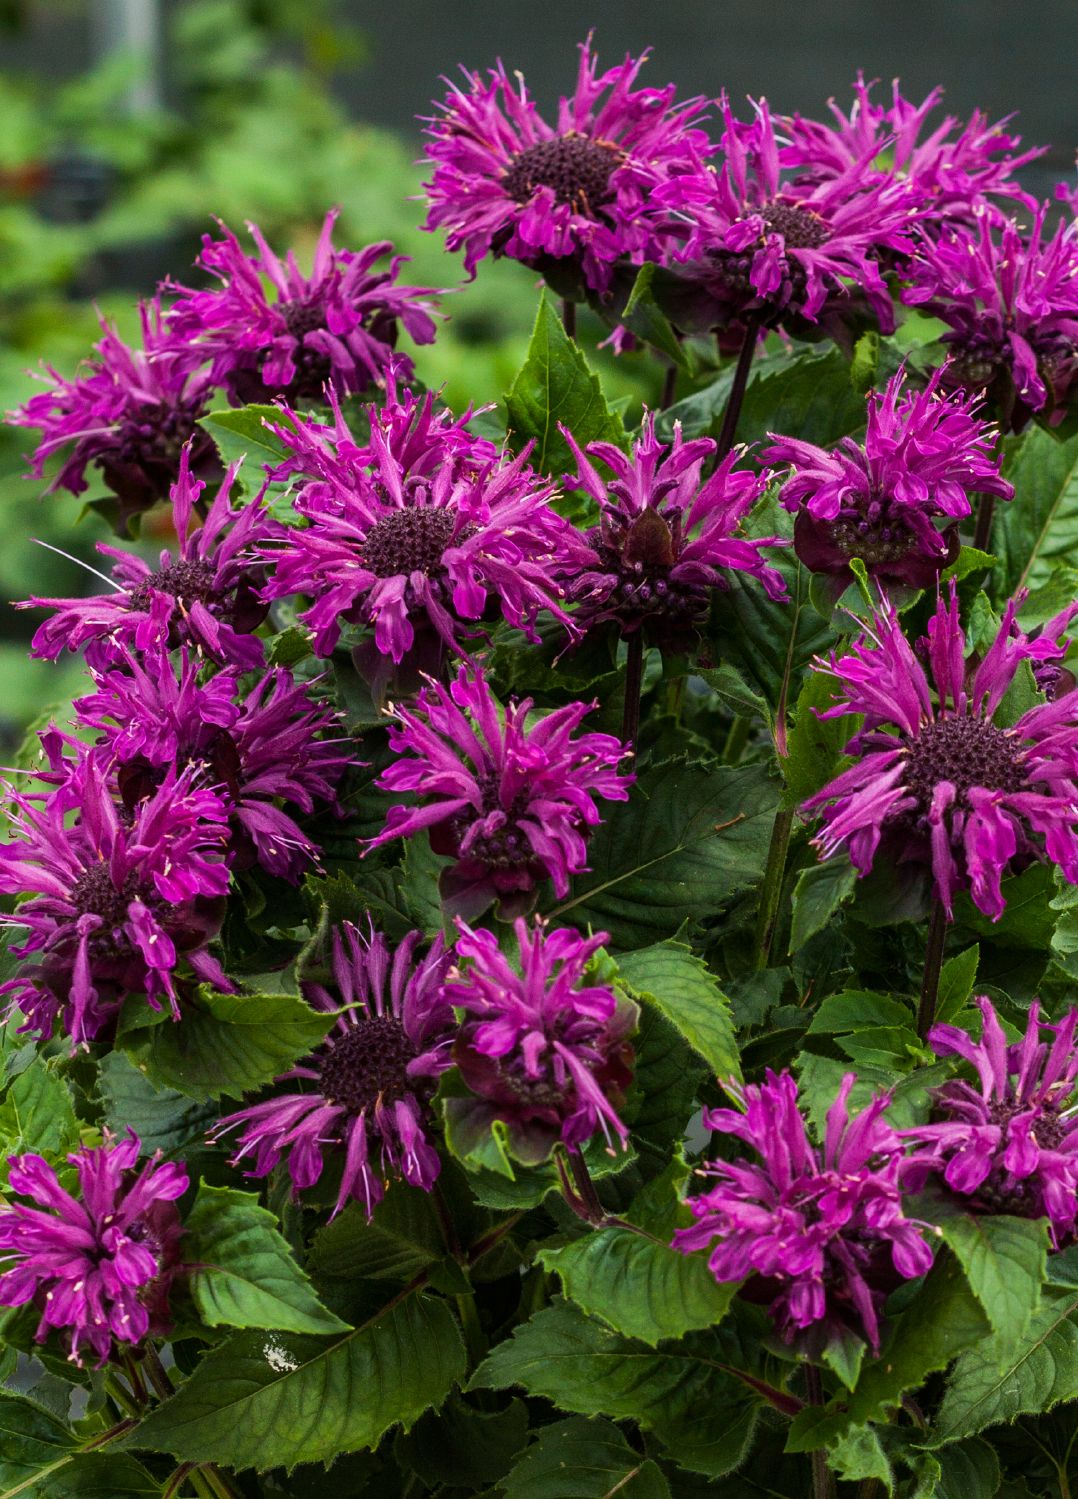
(1011, 305)
(511, 803)
(204, 596)
(97, 1264)
(371, 1079)
(757, 242)
(547, 1052)
(824, 1240)
(255, 747)
(666, 536)
(957, 170)
(132, 411)
(116, 900)
(337, 327)
(938, 784)
(1009, 1143)
(922, 458)
(425, 531)
(505, 182)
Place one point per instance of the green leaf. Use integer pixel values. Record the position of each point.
(957, 978)
(689, 840)
(701, 1413)
(32, 1442)
(1004, 1261)
(579, 1459)
(556, 385)
(672, 978)
(648, 321)
(666, 1075)
(991, 1383)
(639, 1286)
(241, 433)
(463, 1447)
(771, 641)
(941, 1322)
(244, 1273)
(1038, 529)
(859, 1456)
(401, 1240)
(815, 745)
(265, 1400)
(820, 890)
(812, 397)
(162, 1118)
(225, 1043)
(97, 1475)
(856, 1010)
(37, 1113)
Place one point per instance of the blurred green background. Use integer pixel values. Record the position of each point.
(104, 190)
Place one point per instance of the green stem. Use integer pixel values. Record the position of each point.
(568, 317)
(930, 980)
(986, 509)
(771, 889)
(669, 388)
(634, 681)
(823, 1480)
(737, 736)
(475, 1339)
(200, 1483)
(120, 1397)
(445, 1221)
(177, 1481)
(219, 1485)
(737, 389)
(159, 1375)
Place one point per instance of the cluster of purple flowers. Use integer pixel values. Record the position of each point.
(778, 222)
(823, 1238)
(182, 771)
(938, 787)
(398, 538)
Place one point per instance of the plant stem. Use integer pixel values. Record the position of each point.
(986, 509)
(568, 317)
(736, 738)
(823, 1480)
(930, 981)
(445, 1221)
(771, 889)
(475, 1338)
(200, 1483)
(669, 388)
(737, 389)
(219, 1485)
(634, 681)
(159, 1375)
(120, 1397)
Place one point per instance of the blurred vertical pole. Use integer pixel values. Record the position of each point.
(132, 28)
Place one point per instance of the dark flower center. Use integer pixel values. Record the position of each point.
(1049, 1128)
(966, 751)
(800, 227)
(301, 318)
(154, 434)
(873, 541)
(186, 582)
(635, 581)
(507, 848)
(95, 894)
(576, 169)
(367, 1062)
(410, 540)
